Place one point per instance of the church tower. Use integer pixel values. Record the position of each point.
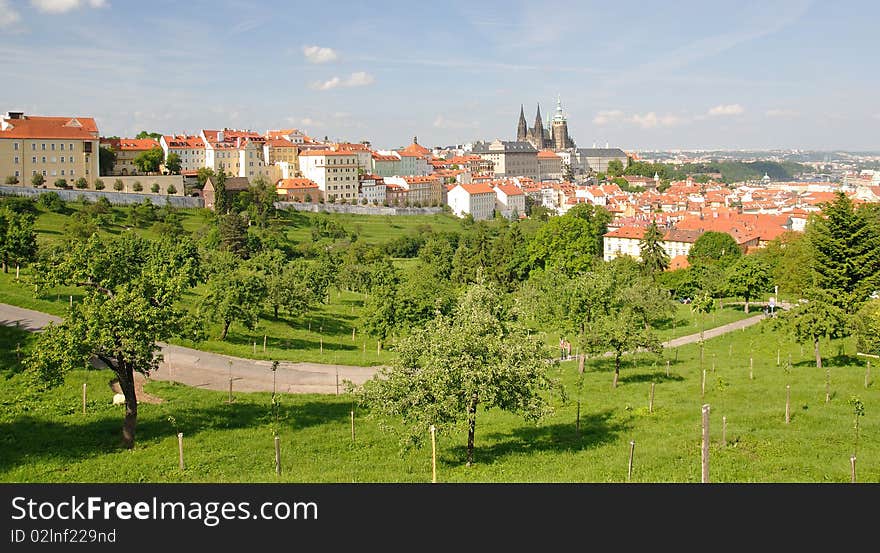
(561, 140)
(538, 131)
(522, 129)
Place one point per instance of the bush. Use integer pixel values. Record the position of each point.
(11, 180)
(38, 180)
(61, 183)
(308, 198)
(137, 186)
(118, 185)
(154, 188)
(99, 184)
(51, 201)
(81, 183)
(171, 189)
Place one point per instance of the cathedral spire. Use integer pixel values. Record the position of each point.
(522, 128)
(538, 131)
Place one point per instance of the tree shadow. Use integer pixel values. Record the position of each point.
(595, 429)
(287, 343)
(658, 377)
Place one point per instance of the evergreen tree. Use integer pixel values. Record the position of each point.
(654, 256)
(221, 200)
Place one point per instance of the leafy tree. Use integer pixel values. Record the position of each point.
(149, 161)
(144, 134)
(621, 331)
(99, 184)
(654, 257)
(234, 296)
(262, 201)
(567, 173)
(615, 168)
(221, 198)
(136, 186)
(714, 247)
(18, 241)
(106, 160)
(233, 234)
(131, 287)
(818, 318)
(438, 252)
(38, 180)
(173, 163)
(81, 183)
(572, 241)
(11, 179)
(118, 185)
(154, 188)
(171, 189)
(444, 373)
(60, 183)
(286, 285)
(203, 174)
(52, 201)
(867, 328)
(509, 260)
(747, 277)
(845, 251)
(788, 259)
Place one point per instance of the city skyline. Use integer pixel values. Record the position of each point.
(767, 76)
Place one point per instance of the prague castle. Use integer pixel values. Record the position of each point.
(554, 138)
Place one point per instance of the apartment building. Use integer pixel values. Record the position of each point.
(335, 172)
(127, 150)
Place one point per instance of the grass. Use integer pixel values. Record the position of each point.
(49, 440)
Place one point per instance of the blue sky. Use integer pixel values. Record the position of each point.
(639, 75)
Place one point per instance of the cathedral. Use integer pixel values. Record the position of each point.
(554, 137)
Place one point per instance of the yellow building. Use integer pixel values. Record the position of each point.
(127, 149)
(54, 147)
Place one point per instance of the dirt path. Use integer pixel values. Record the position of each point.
(213, 371)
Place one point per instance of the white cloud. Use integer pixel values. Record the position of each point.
(441, 122)
(356, 79)
(729, 109)
(651, 120)
(781, 113)
(607, 116)
(8, 16)
(316, 54)
(61, 6)
(304, 122)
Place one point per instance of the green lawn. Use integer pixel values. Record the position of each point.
(48, 439)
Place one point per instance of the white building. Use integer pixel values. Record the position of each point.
(625, 241)
(510, 200)
(477, 200)
(372, 189)
(191, 150)
(336, 173)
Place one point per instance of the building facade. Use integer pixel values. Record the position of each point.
(336, 173)
(127, 150)
(477, 200)
(510, 159)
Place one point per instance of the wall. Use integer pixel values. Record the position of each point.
(117, 198)
(358, 209)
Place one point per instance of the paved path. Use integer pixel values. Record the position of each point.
(212, 371)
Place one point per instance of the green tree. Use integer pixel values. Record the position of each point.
(286, 284)
(18, 241)
(444, 373)
(60, 183)
(11, 179)
(747, 277)
(136, 186)
(118, 185)
(131, 288)
(615, 168)
(620, 332)
(149, 161)
(714, 247)
(867, 328)
(203, 174)
(654, 257)
(99, 184)
(144, 134)
(567, 173)
(572, 241)
(154, 188)
(38, 180)
(171, 189)
(81, 183)
(173, 164)
(818, 318)
(106, 160)
(234, 296)
(233, 234)
(221, 198)
(262, 204)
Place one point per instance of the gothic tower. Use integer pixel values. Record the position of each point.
(538, 131)
(561, 141)
(522, 129)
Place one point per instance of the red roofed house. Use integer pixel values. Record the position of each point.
(422, 191)
(510, 200)
(127, 149)
(625, 241)
(297, 190)
(54, 147)
(478, 200)
(335, 172)
(190, 149)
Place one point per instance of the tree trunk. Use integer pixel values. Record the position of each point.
(472, 427)
(225, 329)
(275, 308)
(816, 350)
(616, 370)
(747, 304)
(126, 383)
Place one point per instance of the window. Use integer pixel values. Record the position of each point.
(62, 172)
(62, 159)
(43, 146)
(72, 172)
(53, 146)
(17, 174)
(71, 146)
(54, 172)
(62, 146)
(16, 160)
(33, 147)
(54, 159)
(44, 159)
(44, 172)
(34, 159)
(16, 146)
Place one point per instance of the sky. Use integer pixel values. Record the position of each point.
(636, 75)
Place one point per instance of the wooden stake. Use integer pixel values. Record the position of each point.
(230, 391)
(787, 403)
(852, 465)
(867, 375)
(16, 272)
(352, 426)
(724, 431)
(730, 350)
(667, 367)
(433, 455)
(577, 422)
(337, 381)
(71, 301)
(705, 449)
(264, 343)
(703, 384)
(751, 368)
(84, 398)
(352, 334)
(277, 456)
(310, 326)
(651, 400)
(827, 384)
(255, 347)
(581, 364)
(777, 357)
(378, 347)
(629, 471)
(322, 345)
(180, 450)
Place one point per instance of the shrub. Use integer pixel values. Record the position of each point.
(51, 201)
(81, 183)
(11, 180)
(308, 198)
(171, 189)
(38, 180)
(154, 188)
(61, 183)
(137, 186)
(118, 185)
(99, 184)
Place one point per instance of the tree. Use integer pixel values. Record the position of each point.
(445, 372)
(99, 184)
(11, 179)
(703, 304)
(173, 163)
(106, 160)
(615, 168)
(38, 180)
(60, 183)
(149, 161)
(221, 198)
(747, 277)
(621, 331)
(818, 318)
(845, 252)
(131, 287)
(567, 173)
(263, 197)
(171, 189)
(144, 134)
(118, 185)
(286, 284)
(654, 257)
(867, 328)
(154, 188)
(572, 241)
(81, 183)
(203, 174)
(234, 296)
(136, 186)
(18, 241)
(714, 247)
(233, 234)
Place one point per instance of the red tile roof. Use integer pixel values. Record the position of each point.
(510, 189)
(477, 188)
(131, 144)
(295, 184)
(32, 126)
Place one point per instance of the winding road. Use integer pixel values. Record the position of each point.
(203, 369)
